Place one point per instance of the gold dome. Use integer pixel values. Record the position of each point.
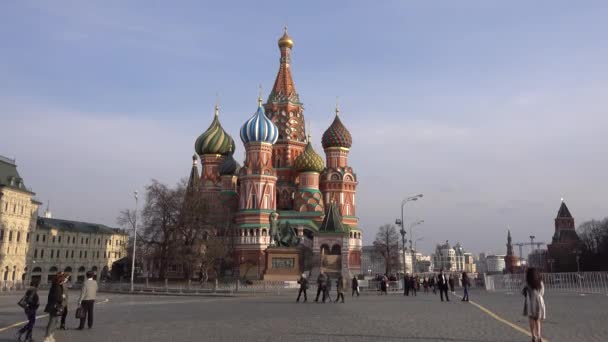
(285, 40)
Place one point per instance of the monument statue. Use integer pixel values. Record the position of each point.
(282, 235)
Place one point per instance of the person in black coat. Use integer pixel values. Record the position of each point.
(55, 304)
(355, 286)
(321, 284)
(303, 287)
(406, 285)
(442, 283)
(33, 302)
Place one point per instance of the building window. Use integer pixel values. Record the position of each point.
(99, 242)
(85, 254)
(27, 237)
(59, 240)
(80, 255)
(1, 234)
(97, 254)
(66, 254)
(81, 240)
(35, 253)
(73, 239)
(44, 238)
(53, 241)
(42, 254)
(58, 254)
(87, 241)
(37, 237)
(105, 256)
(52, 253)
(18, 236)
(72, 254)
(10, 236)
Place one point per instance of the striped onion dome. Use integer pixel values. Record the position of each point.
(309, 160)
(259, 128)
(337, 135)
(229, 166)
(215, 140)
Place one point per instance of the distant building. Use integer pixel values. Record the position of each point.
(452, 259)
(18, 213)
(481, 263)
(495, 263)
(565, 243)
(424, 264)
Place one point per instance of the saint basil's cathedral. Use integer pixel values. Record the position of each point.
(284, 185)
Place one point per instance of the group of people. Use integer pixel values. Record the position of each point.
(324, 285)
(57, 306)
(441, 282)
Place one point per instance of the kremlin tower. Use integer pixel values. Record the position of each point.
(283, 186)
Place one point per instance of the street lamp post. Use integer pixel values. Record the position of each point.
(134, 241)
(411, 237)
(401, 223)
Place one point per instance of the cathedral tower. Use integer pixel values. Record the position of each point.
(257, 201)
(286, 112)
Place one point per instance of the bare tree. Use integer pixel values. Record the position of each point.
(387, 245)
(594, 238)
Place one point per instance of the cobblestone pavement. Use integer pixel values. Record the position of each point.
(367, 318)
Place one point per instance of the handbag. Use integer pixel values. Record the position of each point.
(80, 313)
(23, 302)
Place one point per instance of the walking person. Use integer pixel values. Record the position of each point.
(466, 283)
(321, 280)
(31, 302)
(414, 285)
(384, 286)
(451, 283)
(425, 285)
(534, 303)
(432, 284)
(303, 287)
(87, 300)
(355, 286)
(327, 292)
(406, 285)
(340, 288)
(54, 306)
(442, 284)
(65, 302)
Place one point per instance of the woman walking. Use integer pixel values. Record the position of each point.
(31, 305)
(534, 304)
(54, 306)
(340, 288)
(465, 285)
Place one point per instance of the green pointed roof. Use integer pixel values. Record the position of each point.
(215, 140)
(309, 160)
(332, 222)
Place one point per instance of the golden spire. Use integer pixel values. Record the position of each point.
(285, 40)
(260, 96)
(337, 107)
(217, 105)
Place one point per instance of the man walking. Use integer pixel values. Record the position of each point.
(442, 283)
(321, 280)
(414, 285)
(303, 287)
(87, 299)
(406, 285)
(65, 303)
(355, 286)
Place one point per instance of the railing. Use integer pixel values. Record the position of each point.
(194, 288)
(583, 282)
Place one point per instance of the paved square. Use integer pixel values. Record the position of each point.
(366, 318)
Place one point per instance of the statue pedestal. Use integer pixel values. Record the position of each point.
(283, 263)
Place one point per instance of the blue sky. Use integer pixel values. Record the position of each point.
(493, 110)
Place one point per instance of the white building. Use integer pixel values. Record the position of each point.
(495, 263)
(453, 259)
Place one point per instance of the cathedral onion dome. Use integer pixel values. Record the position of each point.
(259, 128)
(337, 135)
(309, 160)
(285, 40)
(229, 166)
(215, 140)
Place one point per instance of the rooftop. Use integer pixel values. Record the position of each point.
(76, 226)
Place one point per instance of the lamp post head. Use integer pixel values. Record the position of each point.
(398, 222)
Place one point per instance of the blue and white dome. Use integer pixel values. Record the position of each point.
(259, 128)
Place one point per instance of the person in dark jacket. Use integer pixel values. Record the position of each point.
(340, 288)
(303, 287)
(54, 305)
(413, 285)
(451, 281)
(355, 286)
(384, 285)
(321, 282)
(33, 302)
(406, 285)
(442, 284)
(466, 283)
